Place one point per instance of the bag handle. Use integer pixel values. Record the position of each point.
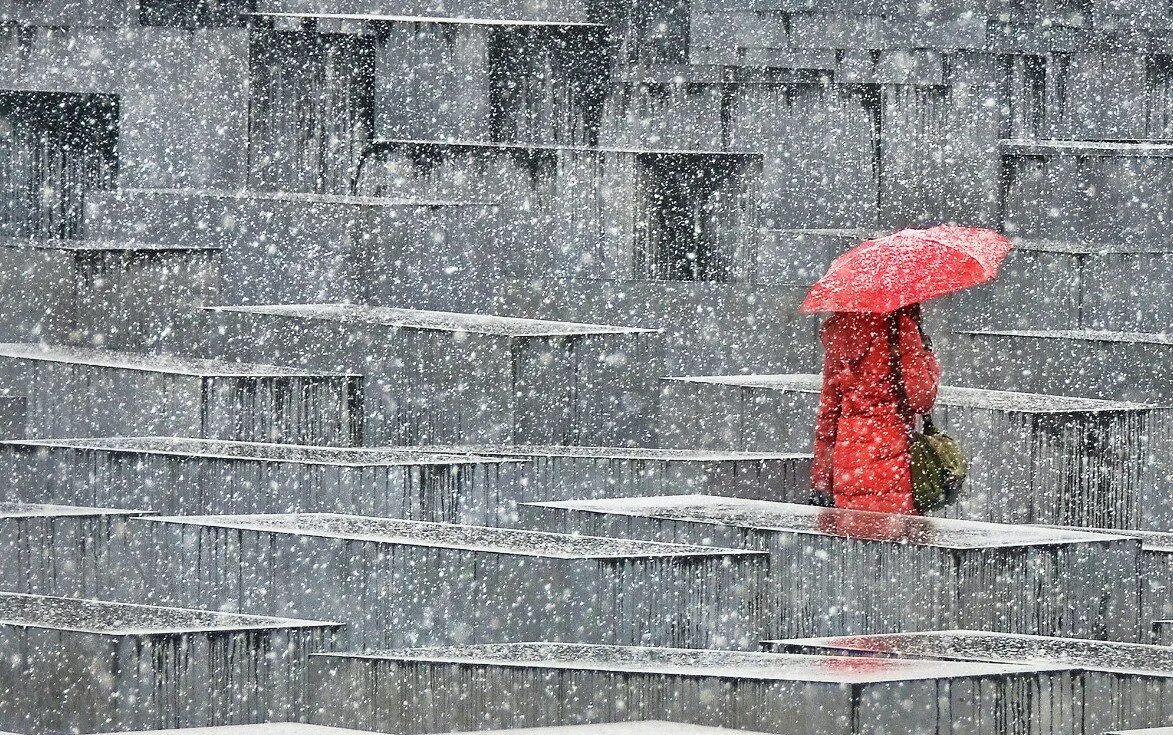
(906, 412)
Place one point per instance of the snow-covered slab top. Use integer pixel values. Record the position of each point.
(1072, 247)
(536, 147)
(698, 663)
(1021, 147)
(302, 197)
(261, 452)
(1145, 731)
(400, 532)
(994, 400)
(765, 515)
(44, 510)
(1082, 335)
(123, 619)
(96, 245)
(639, 727)
(170, 364)
(440, 321)
(636, 453)
(1157, 541)
(380, 18)
(1030, 650)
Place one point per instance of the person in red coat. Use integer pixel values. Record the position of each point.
(863, 426)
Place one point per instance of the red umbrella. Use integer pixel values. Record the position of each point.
(907, 267)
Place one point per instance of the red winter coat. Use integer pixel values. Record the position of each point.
(861, 438)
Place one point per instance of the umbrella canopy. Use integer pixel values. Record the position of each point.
(907, 267)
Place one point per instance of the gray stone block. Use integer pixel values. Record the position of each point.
(67, 13)
(1080, 462)
(58, 549)
(13, 417)
(182, 95)
(90, 665)
(801, 256)
(442, 377)
(1075, 362)
(396, 582)
(644, 727)
(576, 473)
(58, 148)
(592, 212)
(283, 248)
(770, 692)
(1125, 684)
(1079, 190)
(826, 565)
(119, 295)
(205, 477)
(538, 10)
(1162, 630)
(707, 327)
(75, 391)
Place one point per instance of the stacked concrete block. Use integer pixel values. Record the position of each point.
(119, 295)
(640, 727)
(619, 214)
(56, 148)
(1060, 285)
(91, 665)
(707, 327)
(396, 582)
(181, 95)
(75, 391)
(1072, 190)
(58, 549)
(202, 477)
(291, 247)
(1124, 684)
(570, 473)
(1163, 632)
(442, 377)
(1079, 461)
(1092, 363)
(444, 689)
(13, 417)
(829, 567)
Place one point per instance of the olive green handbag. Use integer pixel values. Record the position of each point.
(939, 467)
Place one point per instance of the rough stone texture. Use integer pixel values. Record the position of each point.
(58, 550)
(1126, 685)
(396, 582)
(569, 473)
(1079, 461)
(73, 391)
(440, 377)
(118, 295)
(491, 686)
(828, 566)
(95, 665)
(202, 477)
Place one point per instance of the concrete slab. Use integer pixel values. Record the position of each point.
(114, 294)
(827, 564)
(769, 692)
(59, 549)
(397, 582)
(92, 665)
(75, 391)
(1126, 684)
(446, 377)
(567, 472)
(1081, 461)
(201, 476)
